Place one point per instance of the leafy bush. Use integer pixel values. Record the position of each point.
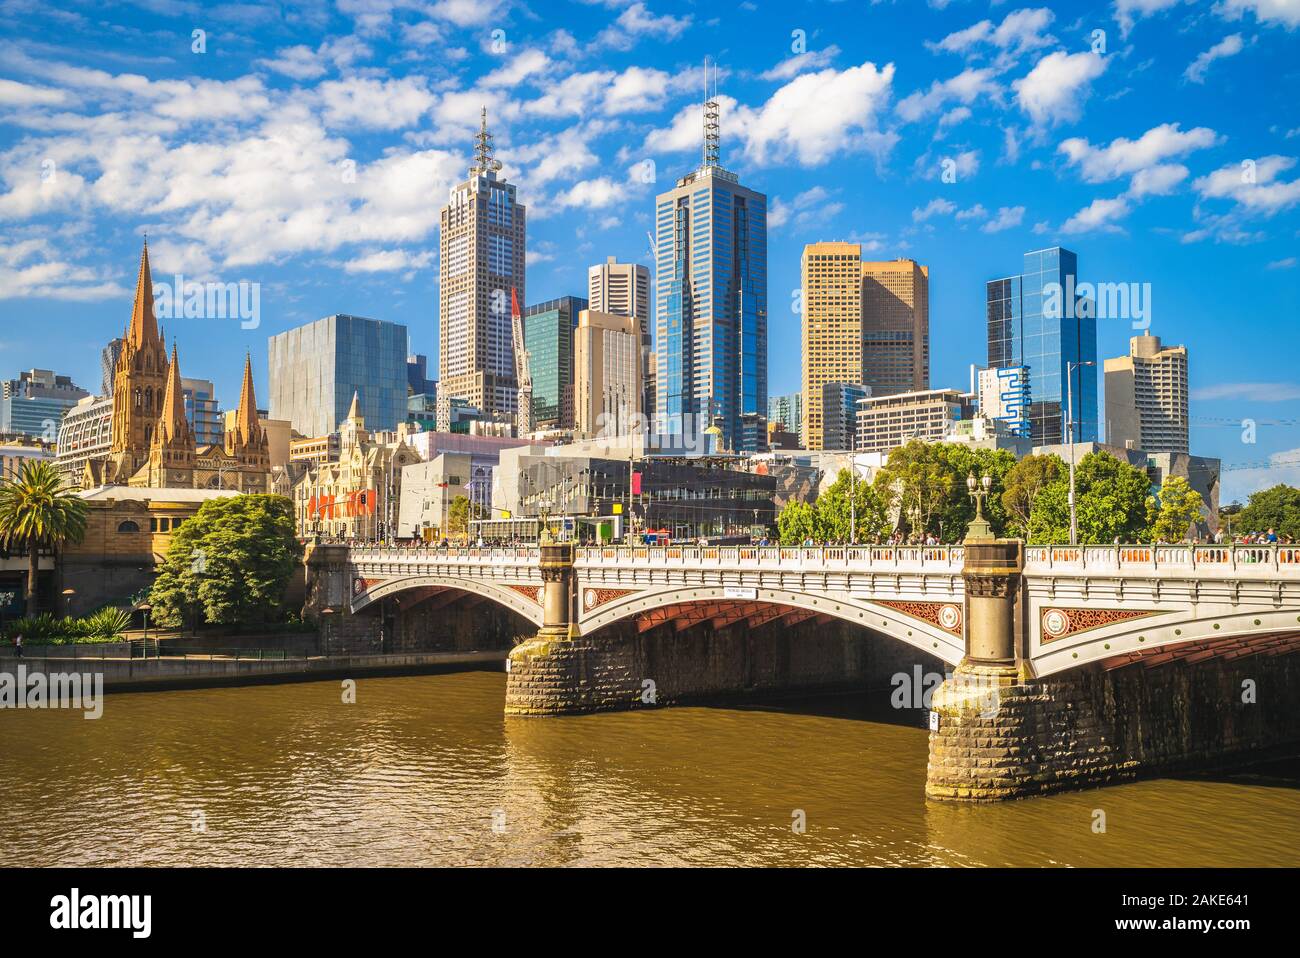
(103, 626)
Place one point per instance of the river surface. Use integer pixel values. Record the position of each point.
(427, 771)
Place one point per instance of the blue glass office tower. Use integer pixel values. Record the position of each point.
(1047, 341)
(710, 301)
(315, 370)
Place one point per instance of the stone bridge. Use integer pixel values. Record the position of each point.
(1058, 635)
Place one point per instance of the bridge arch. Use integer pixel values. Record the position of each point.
(1157, 637)
(733, 605)
(513, 599)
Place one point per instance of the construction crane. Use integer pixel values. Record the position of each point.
(524, 378)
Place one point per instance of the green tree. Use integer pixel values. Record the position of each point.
(846, 506)
(962, 460)
(37, 512)
(1172, 513)
(1021, 486)
(1111, 497)
(797, 523)
(229, 564)
(916, 483)
(1277, 509)
(458, 517)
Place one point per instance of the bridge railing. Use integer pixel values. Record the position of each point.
(931, 558)
(511, 555)
(1207, 559)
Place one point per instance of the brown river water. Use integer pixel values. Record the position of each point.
(427, 771)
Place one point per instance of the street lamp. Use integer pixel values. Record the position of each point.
(1069, 419)
(67, 597)
(146, 608)
(979, 527)
(326, 613)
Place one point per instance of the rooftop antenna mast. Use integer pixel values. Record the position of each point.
(483, 159)
(711, 125)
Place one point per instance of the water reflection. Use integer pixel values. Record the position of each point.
(426, 771)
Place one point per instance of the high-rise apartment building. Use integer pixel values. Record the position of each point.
(895, 326)
(1146, 397)
(607, 374)
(1004, 397)
(481, 262)
(787, 412)
(548, 338)
(863, 322)
(1036, 320)
(202, 411)
(34, 403)
(315, 370)
(623, 289)
(108, 365)
(710, 298)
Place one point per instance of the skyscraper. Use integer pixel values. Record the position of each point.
(202, 411)
(481, 261)
(548, 337)
(315, 369)
(895, 326)
(710, 298)
(1036, 320)
(35, 402)
(606, 374)
(788, 412)
(623, 289)
(865, 323)
(1146, 396)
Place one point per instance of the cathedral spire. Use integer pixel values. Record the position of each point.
(354, 411)
(246, 416)
(172, 423)
(143, 329)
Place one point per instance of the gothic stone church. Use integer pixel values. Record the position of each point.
(153, 445)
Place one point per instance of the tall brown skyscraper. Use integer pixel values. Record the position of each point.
(864, 323)
(481, 261)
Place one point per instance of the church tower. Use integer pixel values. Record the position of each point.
(139, 383)
(247, 442)
(171, 452)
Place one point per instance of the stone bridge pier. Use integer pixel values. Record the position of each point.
(998, 731)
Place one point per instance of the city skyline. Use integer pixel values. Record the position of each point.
(902, 117)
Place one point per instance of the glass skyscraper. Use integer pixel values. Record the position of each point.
(1021, 332)
(316, 368)
(548, 338)
(710, 300)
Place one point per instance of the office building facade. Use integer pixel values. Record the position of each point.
(1004, 398)
(839, 413)
(710, 299)
(548, 338)
(34, 403)
(887, 422)
(1036, 320)
(1146, 397)
(607, 374)
(623, 289)
(895, 326)
(316, 369)
(787, 413)
(482, 245)
(203, 411)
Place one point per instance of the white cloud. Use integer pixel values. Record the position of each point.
(1124, 157)
(812, 207)
(936, 207)
(801, 63)
(1229, 46)
(387, 261)
(1007, 218)
(638, 21)
(13, 93)
(1019, 31)
(1287, 262)
(376, 104)
(1054, 91)
(29, 269)
(1098, 216)
(1255, 185)
(521, 67)
(966, 87)
(1285, 12)
(1128, 12)
(636, 90)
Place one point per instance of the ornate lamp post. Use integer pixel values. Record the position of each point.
(979, 490)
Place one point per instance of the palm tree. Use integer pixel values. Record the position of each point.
(37, 512)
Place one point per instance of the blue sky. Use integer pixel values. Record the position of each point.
(308, 146)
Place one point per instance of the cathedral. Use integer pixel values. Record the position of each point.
(152, 442)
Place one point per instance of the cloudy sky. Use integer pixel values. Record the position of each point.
(307, 146)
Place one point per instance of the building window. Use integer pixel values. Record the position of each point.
(128, 525)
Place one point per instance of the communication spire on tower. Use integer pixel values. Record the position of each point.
(483, 158)
(711, 125)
